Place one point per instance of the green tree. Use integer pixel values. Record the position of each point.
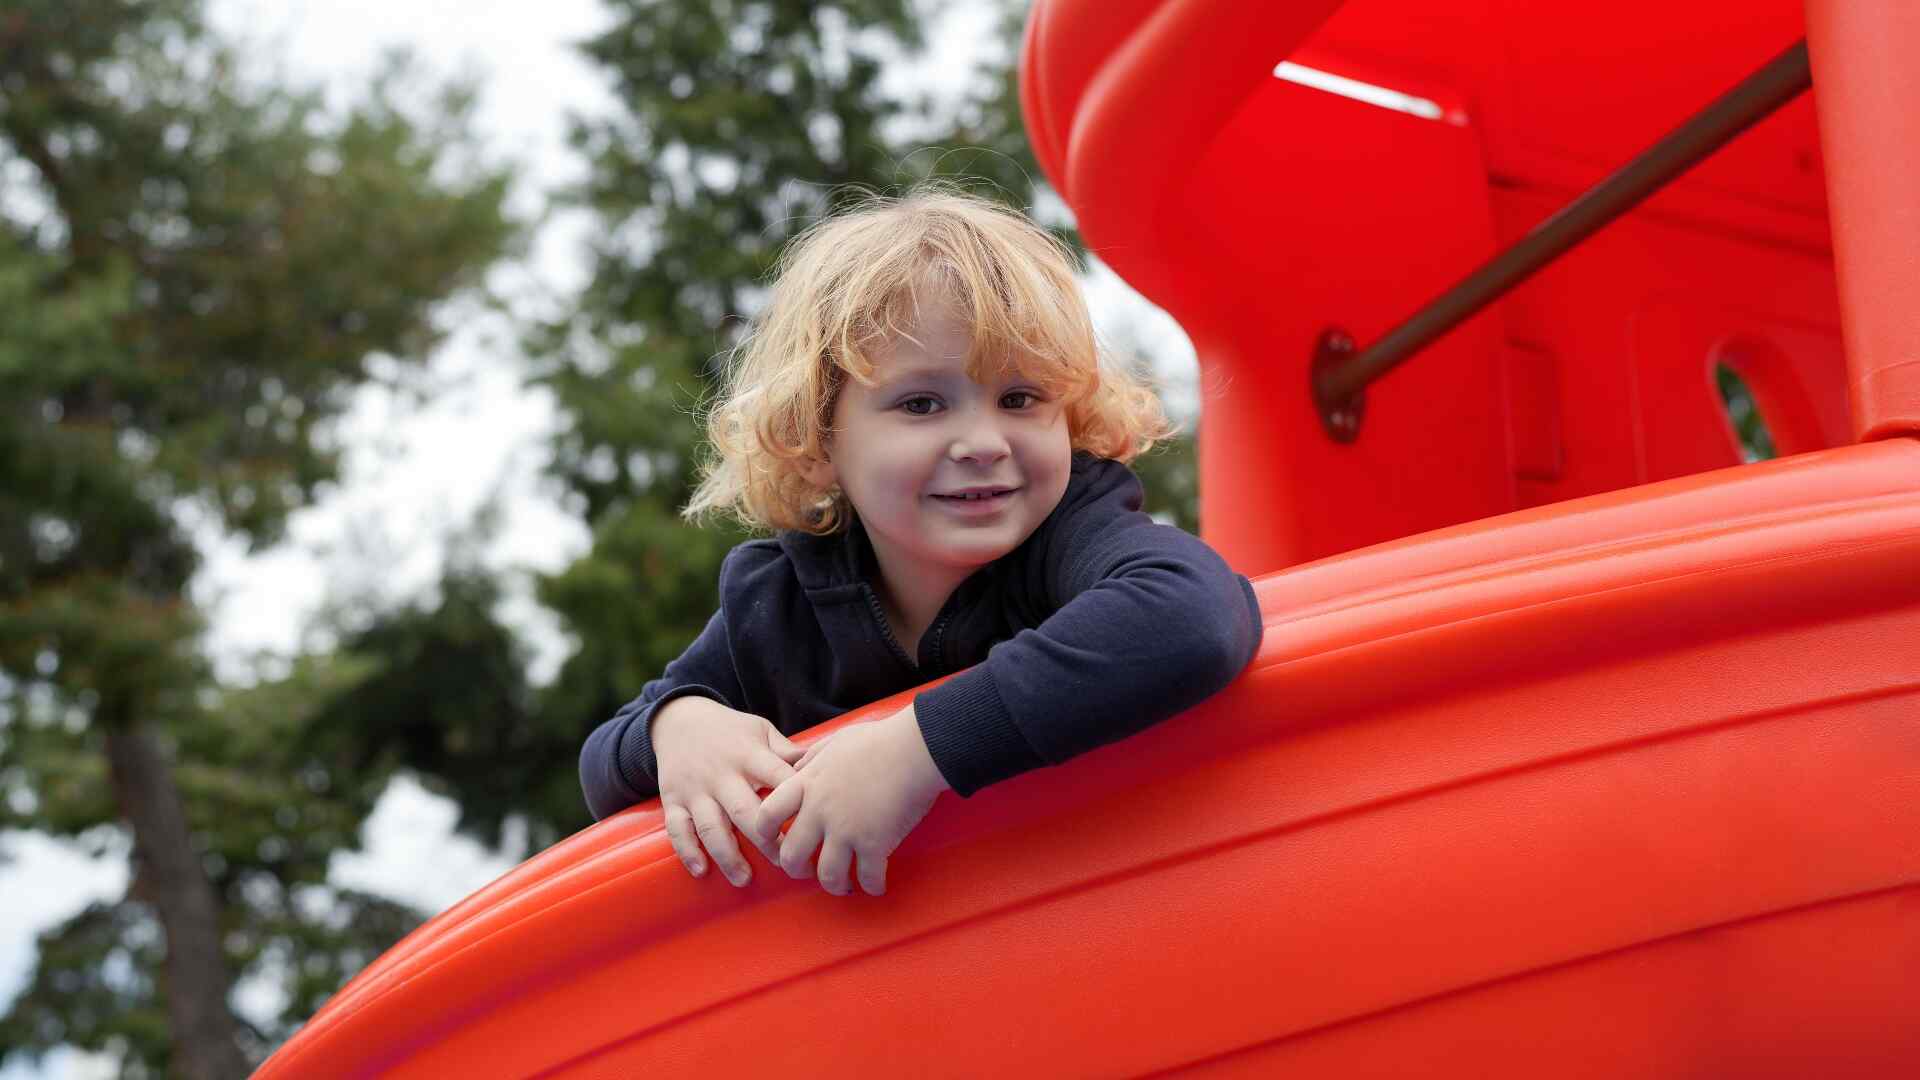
(195, 274)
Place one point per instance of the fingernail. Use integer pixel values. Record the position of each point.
(696, 869)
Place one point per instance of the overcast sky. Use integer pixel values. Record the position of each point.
(414, 473)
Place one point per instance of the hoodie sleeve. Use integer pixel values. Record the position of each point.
(1148, 621)
(616, 765)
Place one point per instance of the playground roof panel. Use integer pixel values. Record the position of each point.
(1557, 96)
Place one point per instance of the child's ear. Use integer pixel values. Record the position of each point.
(819, 473)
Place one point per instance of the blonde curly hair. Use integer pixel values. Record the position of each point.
(848, 285)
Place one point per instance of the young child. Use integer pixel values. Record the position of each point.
(923, 417)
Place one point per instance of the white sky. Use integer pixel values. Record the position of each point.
(413, 473)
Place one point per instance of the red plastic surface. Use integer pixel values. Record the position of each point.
(1575, 747)
(1261, 212)
(1864, 54)
(1629, 783)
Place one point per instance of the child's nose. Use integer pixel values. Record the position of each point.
(979, 439)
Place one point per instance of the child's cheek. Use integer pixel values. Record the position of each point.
(905, 469)
(1051, 464)
(1056, 489)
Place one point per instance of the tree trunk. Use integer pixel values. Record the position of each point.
(168, 871)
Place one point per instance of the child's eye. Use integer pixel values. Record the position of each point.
(911, 405)
(1028, 397)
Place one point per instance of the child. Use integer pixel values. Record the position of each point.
(923, 416)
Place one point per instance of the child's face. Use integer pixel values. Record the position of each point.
(903, 448)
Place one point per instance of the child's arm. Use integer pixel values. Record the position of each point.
(1147, 621)
(617, 765)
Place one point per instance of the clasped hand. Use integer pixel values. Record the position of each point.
(853, 795)
(712, 761)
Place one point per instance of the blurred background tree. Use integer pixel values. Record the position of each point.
(195, 273)
(214, 268)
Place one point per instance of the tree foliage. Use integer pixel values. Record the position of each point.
(196, 271)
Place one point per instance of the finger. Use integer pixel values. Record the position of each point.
(768, 769)
(716, 832)
(813, 751)
(796, 851)
(782, 803)
(782, 746)
(680, 834)
(743, 809)
(835, 860)
(873, 874)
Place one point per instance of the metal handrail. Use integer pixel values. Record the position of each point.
(1339, 376)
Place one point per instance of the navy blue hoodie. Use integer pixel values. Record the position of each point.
(1100, 624)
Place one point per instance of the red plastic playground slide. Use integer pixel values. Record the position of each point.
(1577, 745)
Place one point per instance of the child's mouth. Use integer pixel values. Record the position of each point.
(981, 501)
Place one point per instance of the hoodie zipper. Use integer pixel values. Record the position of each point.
(938, 632)
(935, 633)
(886, 630)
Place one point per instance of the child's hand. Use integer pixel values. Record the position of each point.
(858, 795)
(712, 761)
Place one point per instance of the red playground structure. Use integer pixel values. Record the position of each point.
(1577, 746)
